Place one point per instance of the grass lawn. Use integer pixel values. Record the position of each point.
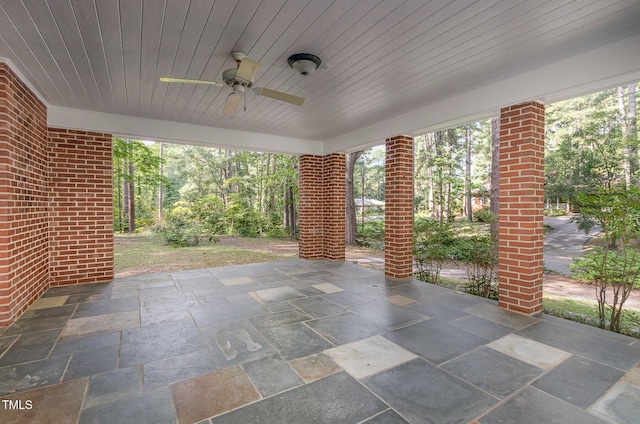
(139, 254)
(587, 312)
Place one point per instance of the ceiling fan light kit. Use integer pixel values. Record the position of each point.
(304, 63)
(242, 77)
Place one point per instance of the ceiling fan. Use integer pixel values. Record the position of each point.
(240, 79)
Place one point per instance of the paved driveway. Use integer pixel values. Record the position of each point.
(563, 243)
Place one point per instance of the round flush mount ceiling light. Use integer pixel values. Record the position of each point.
(304, 63)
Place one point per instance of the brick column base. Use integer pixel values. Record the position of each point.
(520, 247)
(321, 208)
(398, 210)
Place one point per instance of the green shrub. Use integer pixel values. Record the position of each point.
(433, 246)
(484, 215)
(478, 255)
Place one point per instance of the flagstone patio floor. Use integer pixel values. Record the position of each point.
(304, 342)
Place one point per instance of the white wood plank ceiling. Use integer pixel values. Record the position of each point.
(381, 59)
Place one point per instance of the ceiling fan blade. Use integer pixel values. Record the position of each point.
(232, 103)
(247, 71)
(190, 81)
(279, 95)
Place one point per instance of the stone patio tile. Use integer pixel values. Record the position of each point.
(83, 344)
(153, 407)
(423, 393)
(89, 309)
(337, 399)
(209, 314)
(30, 347)
(530, 351)
(532, 406)
(420, 291)
(344, 328)
(387, 315)
(75, 289)
(437, 311)
(160, 341)
(327, 288)
(295, 340)
(48, 302)
(278, 294)
(202, 282)
(31, 375)
(5, 342)
(491, 312)
(92, 362)
(177, 368)
(589, 380)
(41, 320)
(212, 394)
(369, 356)
(621, 404)
(495, 372)
(458, 300)
(387, 417)
(58, 404)
(435, 340)
(346, 298)
(314, 367)
(279, 319)
(317, 306)
(633, 376)
(481, 327)
(280, 307)
(272, 375)
(235, 342)
(236, 281)
(585, 341)
(400, 300)
(161, 318)
(113, 385)
(98, 324)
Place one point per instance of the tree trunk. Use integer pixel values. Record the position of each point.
(292, 212)
(626, 157)
(351, 223)
(467, 177)
(495, 179)
(160, 187)
(132, 197)
(632, 128)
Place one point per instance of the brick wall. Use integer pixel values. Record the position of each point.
(24, 244)
(520, 263)
(81, 207)
(321, 210)
(398, 211)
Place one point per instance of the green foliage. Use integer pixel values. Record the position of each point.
(371, 234)
(434, 243)
(615, 269)
(484, 215)
(479, 257)
(187, 223)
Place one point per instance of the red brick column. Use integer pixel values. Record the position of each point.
(321, 207)
(310, 206)
(334, 203)
(81, 207)
(398, 210)
(24, 243)
(520, 263)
